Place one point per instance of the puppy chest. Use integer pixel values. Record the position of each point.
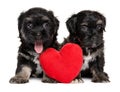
(87, 60)
(38, 68)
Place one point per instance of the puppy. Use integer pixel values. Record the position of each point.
(37, 31)
(86, 29)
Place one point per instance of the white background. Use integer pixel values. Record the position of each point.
(9, 42)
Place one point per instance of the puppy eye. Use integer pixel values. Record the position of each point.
(99, 26)
(29, 26)
(84, 27)
(45, 25)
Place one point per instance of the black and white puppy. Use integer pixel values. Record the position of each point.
(37, 31)
(86, 29)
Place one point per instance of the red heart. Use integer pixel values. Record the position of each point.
(63, 65)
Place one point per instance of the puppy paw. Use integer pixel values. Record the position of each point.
(48, 80)
(101, 77)
(77, 81)
(18, 80)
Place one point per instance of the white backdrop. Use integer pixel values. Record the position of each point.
(9, 42)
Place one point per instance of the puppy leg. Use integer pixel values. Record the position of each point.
(46, 79)
(78, 79)
(97, 71)
(22, 76)
(99, 76)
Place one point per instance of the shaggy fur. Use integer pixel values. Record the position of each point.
(86, 29)
(37, 31)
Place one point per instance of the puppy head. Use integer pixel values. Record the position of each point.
(87, 27)
(38, 27)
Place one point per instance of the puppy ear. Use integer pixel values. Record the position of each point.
(56, 23)
(55, 20)
(104, 22)
(71, 24)
(102, 18)
(20, 20)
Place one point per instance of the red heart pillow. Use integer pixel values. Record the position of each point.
(63, 65)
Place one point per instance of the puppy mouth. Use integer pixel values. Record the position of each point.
(38, 46)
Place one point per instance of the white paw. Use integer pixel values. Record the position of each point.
(77, 81)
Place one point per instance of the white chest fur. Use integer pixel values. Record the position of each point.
(90, 58)
(38, 69)
(87, 59)
(36, 61)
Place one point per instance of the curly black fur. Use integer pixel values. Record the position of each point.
(86, 29)
(36, 25)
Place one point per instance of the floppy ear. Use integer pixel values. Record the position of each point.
(20, 20)
(102, 18)
(56, 23)
(71, 24)
(104, 22)
(55, 20)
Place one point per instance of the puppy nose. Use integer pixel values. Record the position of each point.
(38, 34)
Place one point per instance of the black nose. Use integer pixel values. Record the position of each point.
(38, 34)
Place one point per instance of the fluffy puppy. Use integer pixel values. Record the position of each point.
(86, 29)
(37, 31)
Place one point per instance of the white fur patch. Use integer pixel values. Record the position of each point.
(38, 69)
(36, 61)
(87, 59)
(23, 55)
(90, 58)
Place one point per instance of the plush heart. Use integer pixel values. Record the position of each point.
(63, 65)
